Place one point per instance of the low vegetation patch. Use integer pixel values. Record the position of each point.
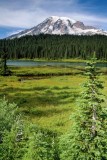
(46, 100)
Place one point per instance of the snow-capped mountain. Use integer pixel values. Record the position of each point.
(60, 25)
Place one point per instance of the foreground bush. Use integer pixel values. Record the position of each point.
(20, 141)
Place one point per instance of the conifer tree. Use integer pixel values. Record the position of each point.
(4, 64)
(88, 138)
(4, 69)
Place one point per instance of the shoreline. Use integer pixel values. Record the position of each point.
(56, 60)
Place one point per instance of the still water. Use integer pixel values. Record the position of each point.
(30, 63)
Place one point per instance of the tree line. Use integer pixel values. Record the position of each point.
(55, 47)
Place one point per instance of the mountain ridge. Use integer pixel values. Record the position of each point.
(60, 26)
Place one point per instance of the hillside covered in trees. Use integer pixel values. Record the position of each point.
(55, 46)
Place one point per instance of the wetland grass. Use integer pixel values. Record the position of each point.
(48, 101)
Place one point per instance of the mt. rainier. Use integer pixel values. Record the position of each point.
(60, 25)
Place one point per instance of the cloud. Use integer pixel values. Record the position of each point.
(29, 13)
(26, 13)
(21, 18)
(89, 19)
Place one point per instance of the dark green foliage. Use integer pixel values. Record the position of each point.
(88, 138)
(7, 116)
(42, 145)
(4, 69)
(56, 46)
(20, 141)
(13, 146)
(12, 132)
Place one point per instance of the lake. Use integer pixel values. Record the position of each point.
(31, 63)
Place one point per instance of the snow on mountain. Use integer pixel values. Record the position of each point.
(60, 25)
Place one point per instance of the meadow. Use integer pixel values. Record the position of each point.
(47, 95)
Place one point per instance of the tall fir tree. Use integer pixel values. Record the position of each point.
(4, 68)
(88, 138)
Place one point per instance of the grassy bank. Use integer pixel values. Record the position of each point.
(58, 60)
(46, 95)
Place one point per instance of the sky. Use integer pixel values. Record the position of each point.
(17, 15)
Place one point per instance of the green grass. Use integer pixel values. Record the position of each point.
(60, 60)
(49, 100)
(45, 71)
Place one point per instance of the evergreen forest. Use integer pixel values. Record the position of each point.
(56, 47)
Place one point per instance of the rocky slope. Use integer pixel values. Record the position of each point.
(60, 25)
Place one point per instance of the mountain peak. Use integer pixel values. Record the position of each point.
(62, 18)
(60, 25)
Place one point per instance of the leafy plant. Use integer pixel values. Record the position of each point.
(42, 145)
